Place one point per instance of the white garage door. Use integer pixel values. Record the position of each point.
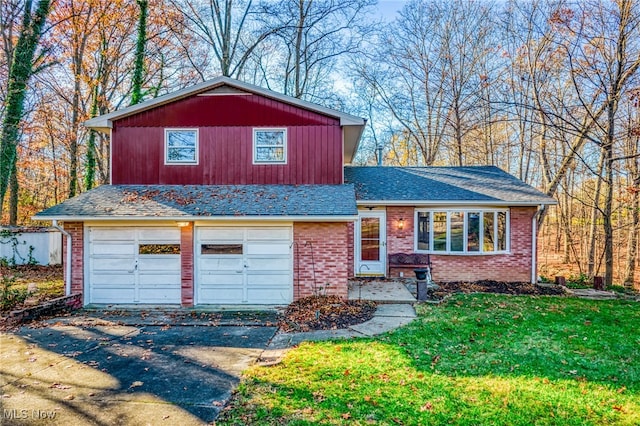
(250, 265)
(134, 265)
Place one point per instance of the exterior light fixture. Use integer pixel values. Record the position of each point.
(182, 224)
(401, 223)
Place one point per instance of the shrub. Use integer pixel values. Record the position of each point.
(10, 296)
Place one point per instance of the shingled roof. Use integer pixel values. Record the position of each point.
(176, 202)
(477, 185)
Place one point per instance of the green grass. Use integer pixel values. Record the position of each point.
(476, 360)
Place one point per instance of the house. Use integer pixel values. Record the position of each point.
(228, 193)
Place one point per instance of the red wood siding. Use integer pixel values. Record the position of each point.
(225, 123)
(226, 110)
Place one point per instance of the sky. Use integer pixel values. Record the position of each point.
(388, 8)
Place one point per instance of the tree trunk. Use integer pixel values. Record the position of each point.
(13, 198)
(632, 246)
(138, 71)
(593, 230)
(90, 162)
(19, 74)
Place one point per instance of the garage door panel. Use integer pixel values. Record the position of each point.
(221, 234)
(213, 264)
(221, 295)
(159, 295)
(269, 234)
(108, 295)
(232, 279)
(157, 263)
(160, 281)
(158, 234)
(268, 296)
(266, 248)
(268, 264)
(113, 280)
(269, 280)
(113, 234)
(103, 248)
(109, 265)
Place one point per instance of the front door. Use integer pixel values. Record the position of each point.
(371, 242)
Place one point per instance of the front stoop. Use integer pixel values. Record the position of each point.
(380, 291)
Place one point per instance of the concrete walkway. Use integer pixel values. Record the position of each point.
(386, 318)
(590, 293)
(380, 291)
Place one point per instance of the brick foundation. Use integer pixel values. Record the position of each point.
(321, 258)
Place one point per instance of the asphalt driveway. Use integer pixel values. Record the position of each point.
(112, 368)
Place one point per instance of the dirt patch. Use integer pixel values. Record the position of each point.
(325, 313)
(498, 287)
(44, 282)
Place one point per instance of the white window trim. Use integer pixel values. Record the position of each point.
(168, 162)
(270, 129)
(448, 211)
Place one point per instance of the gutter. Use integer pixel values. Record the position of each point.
(452, 203)
(67, 280)
(534, 244)
(203, 219)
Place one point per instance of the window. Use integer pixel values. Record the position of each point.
(221, 249)
(159, 249)
(458, 231)
(181, 146)
(269, 146)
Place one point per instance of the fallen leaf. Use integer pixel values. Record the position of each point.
(136, 384)
(346, 416)
(59, 386)
(427, 406)
(69, 397)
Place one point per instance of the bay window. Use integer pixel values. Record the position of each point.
(460, 231)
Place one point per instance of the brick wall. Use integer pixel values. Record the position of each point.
(76, 229)
(400, 240)
(515, 266)
(321, 248)
(186, 262)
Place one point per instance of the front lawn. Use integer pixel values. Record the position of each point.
(477, 359)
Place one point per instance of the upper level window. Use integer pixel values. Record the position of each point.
(462, 231)
(181, 146)
(269, 146)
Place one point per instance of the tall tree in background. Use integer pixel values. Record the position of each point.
(311, 39)
(224, 28)
(428, 71)
(21, 70)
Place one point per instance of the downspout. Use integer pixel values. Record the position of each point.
(67, 280)
(534, 244)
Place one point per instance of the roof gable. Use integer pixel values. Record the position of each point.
(352, 125)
